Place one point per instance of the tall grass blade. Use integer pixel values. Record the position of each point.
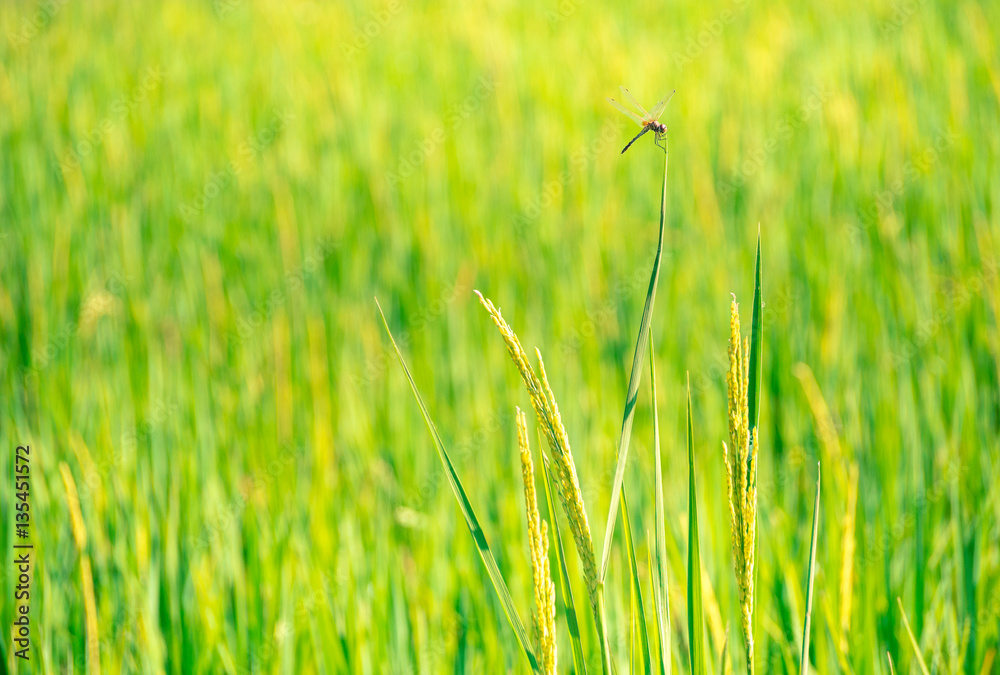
(913, 639)
(633, 385)
(756, 338)
(804, 662)
(470, 515)
(638, 614)
(572, 622)
(696, 610)
(661, 598)
(753, 396)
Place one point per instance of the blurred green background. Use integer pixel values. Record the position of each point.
(199, 202)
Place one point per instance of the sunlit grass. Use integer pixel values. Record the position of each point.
(256, 485)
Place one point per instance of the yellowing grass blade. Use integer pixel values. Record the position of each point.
(633, 386)
(639, 616)
(696, 610)
(913, 639)
(579, 663)
(804, 662)
(661, 598)
(470, 515)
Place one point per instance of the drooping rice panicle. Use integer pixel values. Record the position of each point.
(567, 484)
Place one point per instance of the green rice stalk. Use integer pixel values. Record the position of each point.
(804, 660)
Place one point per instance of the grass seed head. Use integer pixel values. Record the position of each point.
(538, 540)
(741, 473)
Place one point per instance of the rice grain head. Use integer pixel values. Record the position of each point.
(538, 540)
(741, 474)
(567, 484)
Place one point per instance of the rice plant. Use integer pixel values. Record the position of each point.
(743, 381)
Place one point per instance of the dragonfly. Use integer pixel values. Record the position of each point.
(649, 121)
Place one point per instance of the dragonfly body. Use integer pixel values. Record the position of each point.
(649, 121)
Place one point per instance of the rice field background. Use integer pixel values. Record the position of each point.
(200, 202)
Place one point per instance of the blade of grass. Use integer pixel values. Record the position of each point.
(804, 662)
(633, 385)
(661, 599)
(756, 338)
(753, 399)
(654, 592)
(892, 670)
(639, 616)
(696, 610)
(913, 640)
(470, 515)
(572, 622)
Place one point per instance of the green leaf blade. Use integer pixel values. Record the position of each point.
(696, 610)
(638, 614)
(804, 659)
(635, 376)
(661, 598)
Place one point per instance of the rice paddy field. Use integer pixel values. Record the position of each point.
(229, 473)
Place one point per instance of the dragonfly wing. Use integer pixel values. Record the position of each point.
(638, 120)
(631, 99)
(661, 106)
